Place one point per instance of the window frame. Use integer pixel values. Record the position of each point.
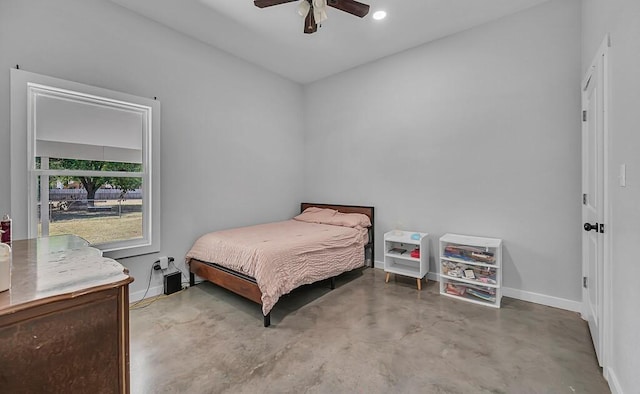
(25, 88)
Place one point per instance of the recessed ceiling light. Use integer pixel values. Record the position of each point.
(379, 15)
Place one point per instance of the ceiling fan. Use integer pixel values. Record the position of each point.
(314, 11)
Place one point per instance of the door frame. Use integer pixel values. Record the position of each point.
(606, 307)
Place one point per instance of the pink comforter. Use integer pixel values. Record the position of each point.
(283, 255)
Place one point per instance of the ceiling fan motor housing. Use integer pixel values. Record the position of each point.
(308, 8)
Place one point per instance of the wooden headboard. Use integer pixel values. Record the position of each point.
(365, 210)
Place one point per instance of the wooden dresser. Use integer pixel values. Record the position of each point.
(64, 324)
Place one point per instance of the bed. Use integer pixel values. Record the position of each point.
(263, 262)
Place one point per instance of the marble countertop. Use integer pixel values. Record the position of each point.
(56, 266)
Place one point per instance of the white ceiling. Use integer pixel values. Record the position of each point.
(273, 38)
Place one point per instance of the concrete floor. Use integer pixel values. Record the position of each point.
(363, 337)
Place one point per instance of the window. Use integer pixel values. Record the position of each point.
(91, 164)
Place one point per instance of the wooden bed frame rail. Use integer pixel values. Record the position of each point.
(236, 282)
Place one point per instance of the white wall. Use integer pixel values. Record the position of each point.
(231, 132)
(477, 133)
(621, 19)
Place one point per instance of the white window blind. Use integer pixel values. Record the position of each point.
(91, 129)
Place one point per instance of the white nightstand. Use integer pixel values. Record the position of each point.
(398, 246)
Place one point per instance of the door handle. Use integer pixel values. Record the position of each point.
(589, 227)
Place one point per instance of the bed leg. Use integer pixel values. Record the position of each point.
(333, 282)
(373, 260)
(267, 319)
(192, 279)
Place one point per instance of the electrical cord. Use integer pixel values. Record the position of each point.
(154, 267)
(146, 291)
(151, 300)
(148, 302)
(183, 274)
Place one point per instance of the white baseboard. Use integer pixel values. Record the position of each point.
(614, 384)
(561, 303)
(153, 291)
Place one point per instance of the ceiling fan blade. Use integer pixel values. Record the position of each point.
(269, 3)
(351, 6)
(310, 25)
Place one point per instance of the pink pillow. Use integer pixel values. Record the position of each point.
(349, 220)
(316, 215)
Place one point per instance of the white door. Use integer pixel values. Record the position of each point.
(593, 207)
